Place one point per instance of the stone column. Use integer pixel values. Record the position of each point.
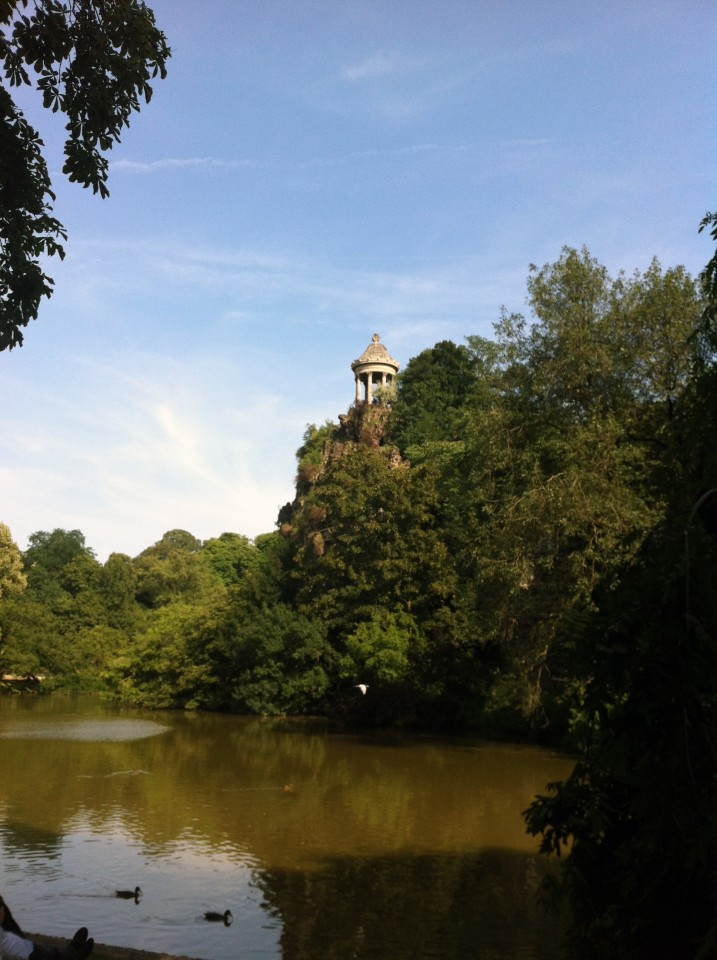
(379, 369)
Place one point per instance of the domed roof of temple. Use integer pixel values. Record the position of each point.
(375, 352)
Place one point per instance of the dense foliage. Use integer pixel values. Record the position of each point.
(92, 62)
(446, 549)
(638, 814)
(523, 540)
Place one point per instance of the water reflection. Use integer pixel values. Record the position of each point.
(480, 905)
(97, 730)
(382, 847)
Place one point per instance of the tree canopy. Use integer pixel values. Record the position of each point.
(12, 578)
(431, 391)
(91, 62)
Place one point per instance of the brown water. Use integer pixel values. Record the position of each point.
(323, 845)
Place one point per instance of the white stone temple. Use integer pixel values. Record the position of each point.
(374, 369)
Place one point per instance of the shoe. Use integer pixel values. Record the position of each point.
(79, 948)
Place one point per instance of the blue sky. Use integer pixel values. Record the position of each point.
(312, 172)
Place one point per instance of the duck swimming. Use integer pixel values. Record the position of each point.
(129, 894)
(225, 918)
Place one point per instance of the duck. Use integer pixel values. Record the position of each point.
(129, 894)
(225, 918)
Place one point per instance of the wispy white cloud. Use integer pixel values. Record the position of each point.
(179, 163)
(527, 142)
(397, 105)
(401, 87)
(181, 437)
(380, 65)
(214, 164)
(411, 150)
(252, 284)
(143, 444)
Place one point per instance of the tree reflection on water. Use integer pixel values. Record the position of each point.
(415, 907)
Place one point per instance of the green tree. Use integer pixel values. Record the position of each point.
(430, 391)
(12, 578)
(91, 62)
(65, 625)
(311, 455)
(177, 539)
(365, 536)
(47, 555)
(637, 815)
(172, 569)
(118, 585)
(266, 580)
(12, 583)
(229, 555)
(570, 437)
(365, 548)
(708, 278)
(162, 667)
(52, 550)
(31, 637)
(81, 582)
(382, 647)
(227, 652)
(268, 659)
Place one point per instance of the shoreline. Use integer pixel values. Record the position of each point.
(104, 951)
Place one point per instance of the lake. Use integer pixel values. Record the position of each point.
(324, 845)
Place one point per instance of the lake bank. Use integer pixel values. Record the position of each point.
(103, 951)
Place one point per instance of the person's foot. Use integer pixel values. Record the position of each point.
(79, 948)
